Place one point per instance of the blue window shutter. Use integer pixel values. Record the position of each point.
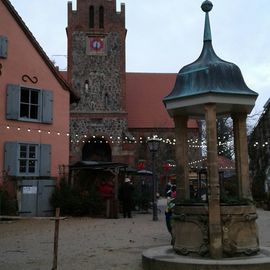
(47, 107)
(13, 101)
(45, 160)
(11, 158)
(3, 47)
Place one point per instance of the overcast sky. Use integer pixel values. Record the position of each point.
(165, 35)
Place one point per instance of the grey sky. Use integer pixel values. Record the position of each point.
(165, 35)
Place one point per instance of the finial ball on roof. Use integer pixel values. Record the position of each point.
(207, 6)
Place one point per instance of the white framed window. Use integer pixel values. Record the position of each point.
(28, 159)
(30, 103)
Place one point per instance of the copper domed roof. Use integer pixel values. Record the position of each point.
(209, 74)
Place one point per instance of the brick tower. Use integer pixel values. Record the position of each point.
(96, 69)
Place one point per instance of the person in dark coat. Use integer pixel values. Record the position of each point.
(126, 197)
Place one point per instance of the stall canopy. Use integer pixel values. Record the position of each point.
(96, 165)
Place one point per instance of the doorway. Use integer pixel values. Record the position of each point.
(97, 149)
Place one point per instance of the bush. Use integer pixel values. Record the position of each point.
(8, 205)
(75, 203)
(258, 191)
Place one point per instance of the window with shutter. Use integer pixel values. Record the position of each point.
(3, 47)
(27, 159)
(28, 104)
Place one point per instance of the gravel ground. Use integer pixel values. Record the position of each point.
(87, 243)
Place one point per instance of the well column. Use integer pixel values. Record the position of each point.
(182, 172)
(215, 237)
(241, 154)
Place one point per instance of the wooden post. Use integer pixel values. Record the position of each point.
(56, 234)
(115, 199)
(108, 208)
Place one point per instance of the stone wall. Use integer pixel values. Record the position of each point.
(101, 73)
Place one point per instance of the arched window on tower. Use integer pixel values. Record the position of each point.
(106, 100)
(92, 105)
(101, 17)
(91, 17)
(86, 85)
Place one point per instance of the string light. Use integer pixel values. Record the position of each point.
(19, 128)
(193, 143)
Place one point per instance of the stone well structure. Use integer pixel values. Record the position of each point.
(207, 88)
(204, 234)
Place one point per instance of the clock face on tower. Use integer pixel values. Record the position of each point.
(96, 45)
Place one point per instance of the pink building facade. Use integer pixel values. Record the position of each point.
(34, 106)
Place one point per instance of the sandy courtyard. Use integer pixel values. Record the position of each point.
(87, 243)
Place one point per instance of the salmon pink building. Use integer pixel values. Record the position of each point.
(34, 106)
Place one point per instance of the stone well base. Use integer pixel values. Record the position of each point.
(164, 257)
(190, 229)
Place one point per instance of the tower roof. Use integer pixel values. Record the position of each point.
(209, 79)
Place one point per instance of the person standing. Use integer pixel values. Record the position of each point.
(106, 189)
(126, 197)
(169, 209)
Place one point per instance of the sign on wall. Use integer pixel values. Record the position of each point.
(95, 45)
(30, 190)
